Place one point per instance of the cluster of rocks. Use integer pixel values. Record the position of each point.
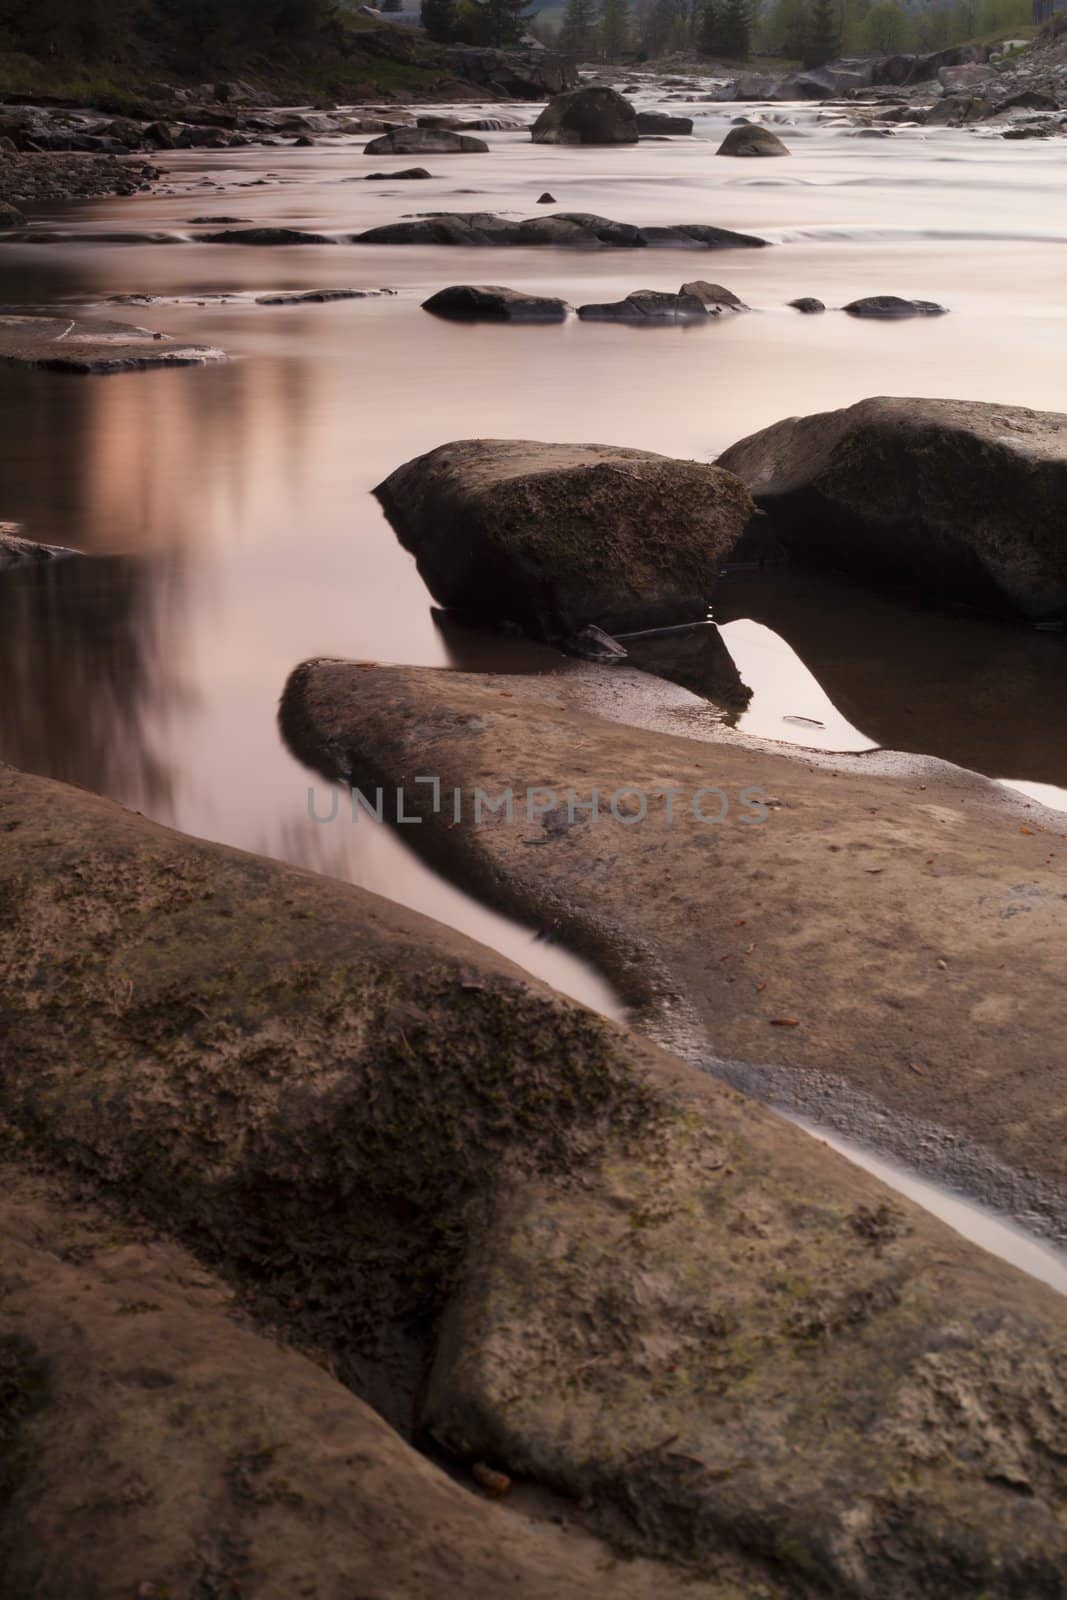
(846, 77)
(956, 498)
(26, 178)
(695, 302)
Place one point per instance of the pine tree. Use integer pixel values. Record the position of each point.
(615, 26)
(498, 22)
(578, 30)
(735, 29)
(440, 18)
(823, 41)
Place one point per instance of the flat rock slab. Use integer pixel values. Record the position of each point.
(576, 228)
(264, 237)
(57, 344)
(949, 498)
(625, 1281)
(891, 306)
(406, 174)
(897, 937)
(492, 303)
(313, 297)
(555, 536)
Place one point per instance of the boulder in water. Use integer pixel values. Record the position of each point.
(749, 139)
(490, 303)
(950, 498)
(808, 305)
(395, 177)
(587, 116)
(555, 536)
(713, 296)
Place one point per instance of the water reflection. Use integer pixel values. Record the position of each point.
(979, 693)
(86, 675)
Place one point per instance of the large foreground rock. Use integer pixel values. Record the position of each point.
(424, 142)
(587, 116)
(153, 1443)
(567, 1255)
(556, 536)
(884, 949)
(576, 228)
(954, 498)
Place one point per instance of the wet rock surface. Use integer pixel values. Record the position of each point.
(952, 498)
(742, 940)
(554, 536)
(407, 173)
(265, 237)
(656, 122)
(491, 303)
(29, 177)
(553, 1233)
(578, 228)
(808, 304)
(59, 344)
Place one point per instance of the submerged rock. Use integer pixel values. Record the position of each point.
(589, 115)
(305, 297)
(546, 199)
(393, 177)
(265, 236)
(490, 303)
(555, 536)
(750, 139)
(890, 306)
(648, 306)
(424, 142)
(808, 305)
(953, 498)
(578, 228)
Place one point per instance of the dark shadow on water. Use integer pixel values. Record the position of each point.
(985, 695)
(85, 673)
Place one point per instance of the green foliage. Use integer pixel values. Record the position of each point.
(615, 29)
(823, 42)
(735, 30)
(886, 29)
(494, 22)
(578, 31)
(441, 18)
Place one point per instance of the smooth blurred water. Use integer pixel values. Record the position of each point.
(234, 502)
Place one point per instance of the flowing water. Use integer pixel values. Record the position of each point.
(233, 504)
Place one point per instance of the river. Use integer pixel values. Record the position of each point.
(232, 502)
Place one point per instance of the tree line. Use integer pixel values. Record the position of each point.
(186, 30)
(808, 31)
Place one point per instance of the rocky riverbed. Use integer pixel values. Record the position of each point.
(365, 1216)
